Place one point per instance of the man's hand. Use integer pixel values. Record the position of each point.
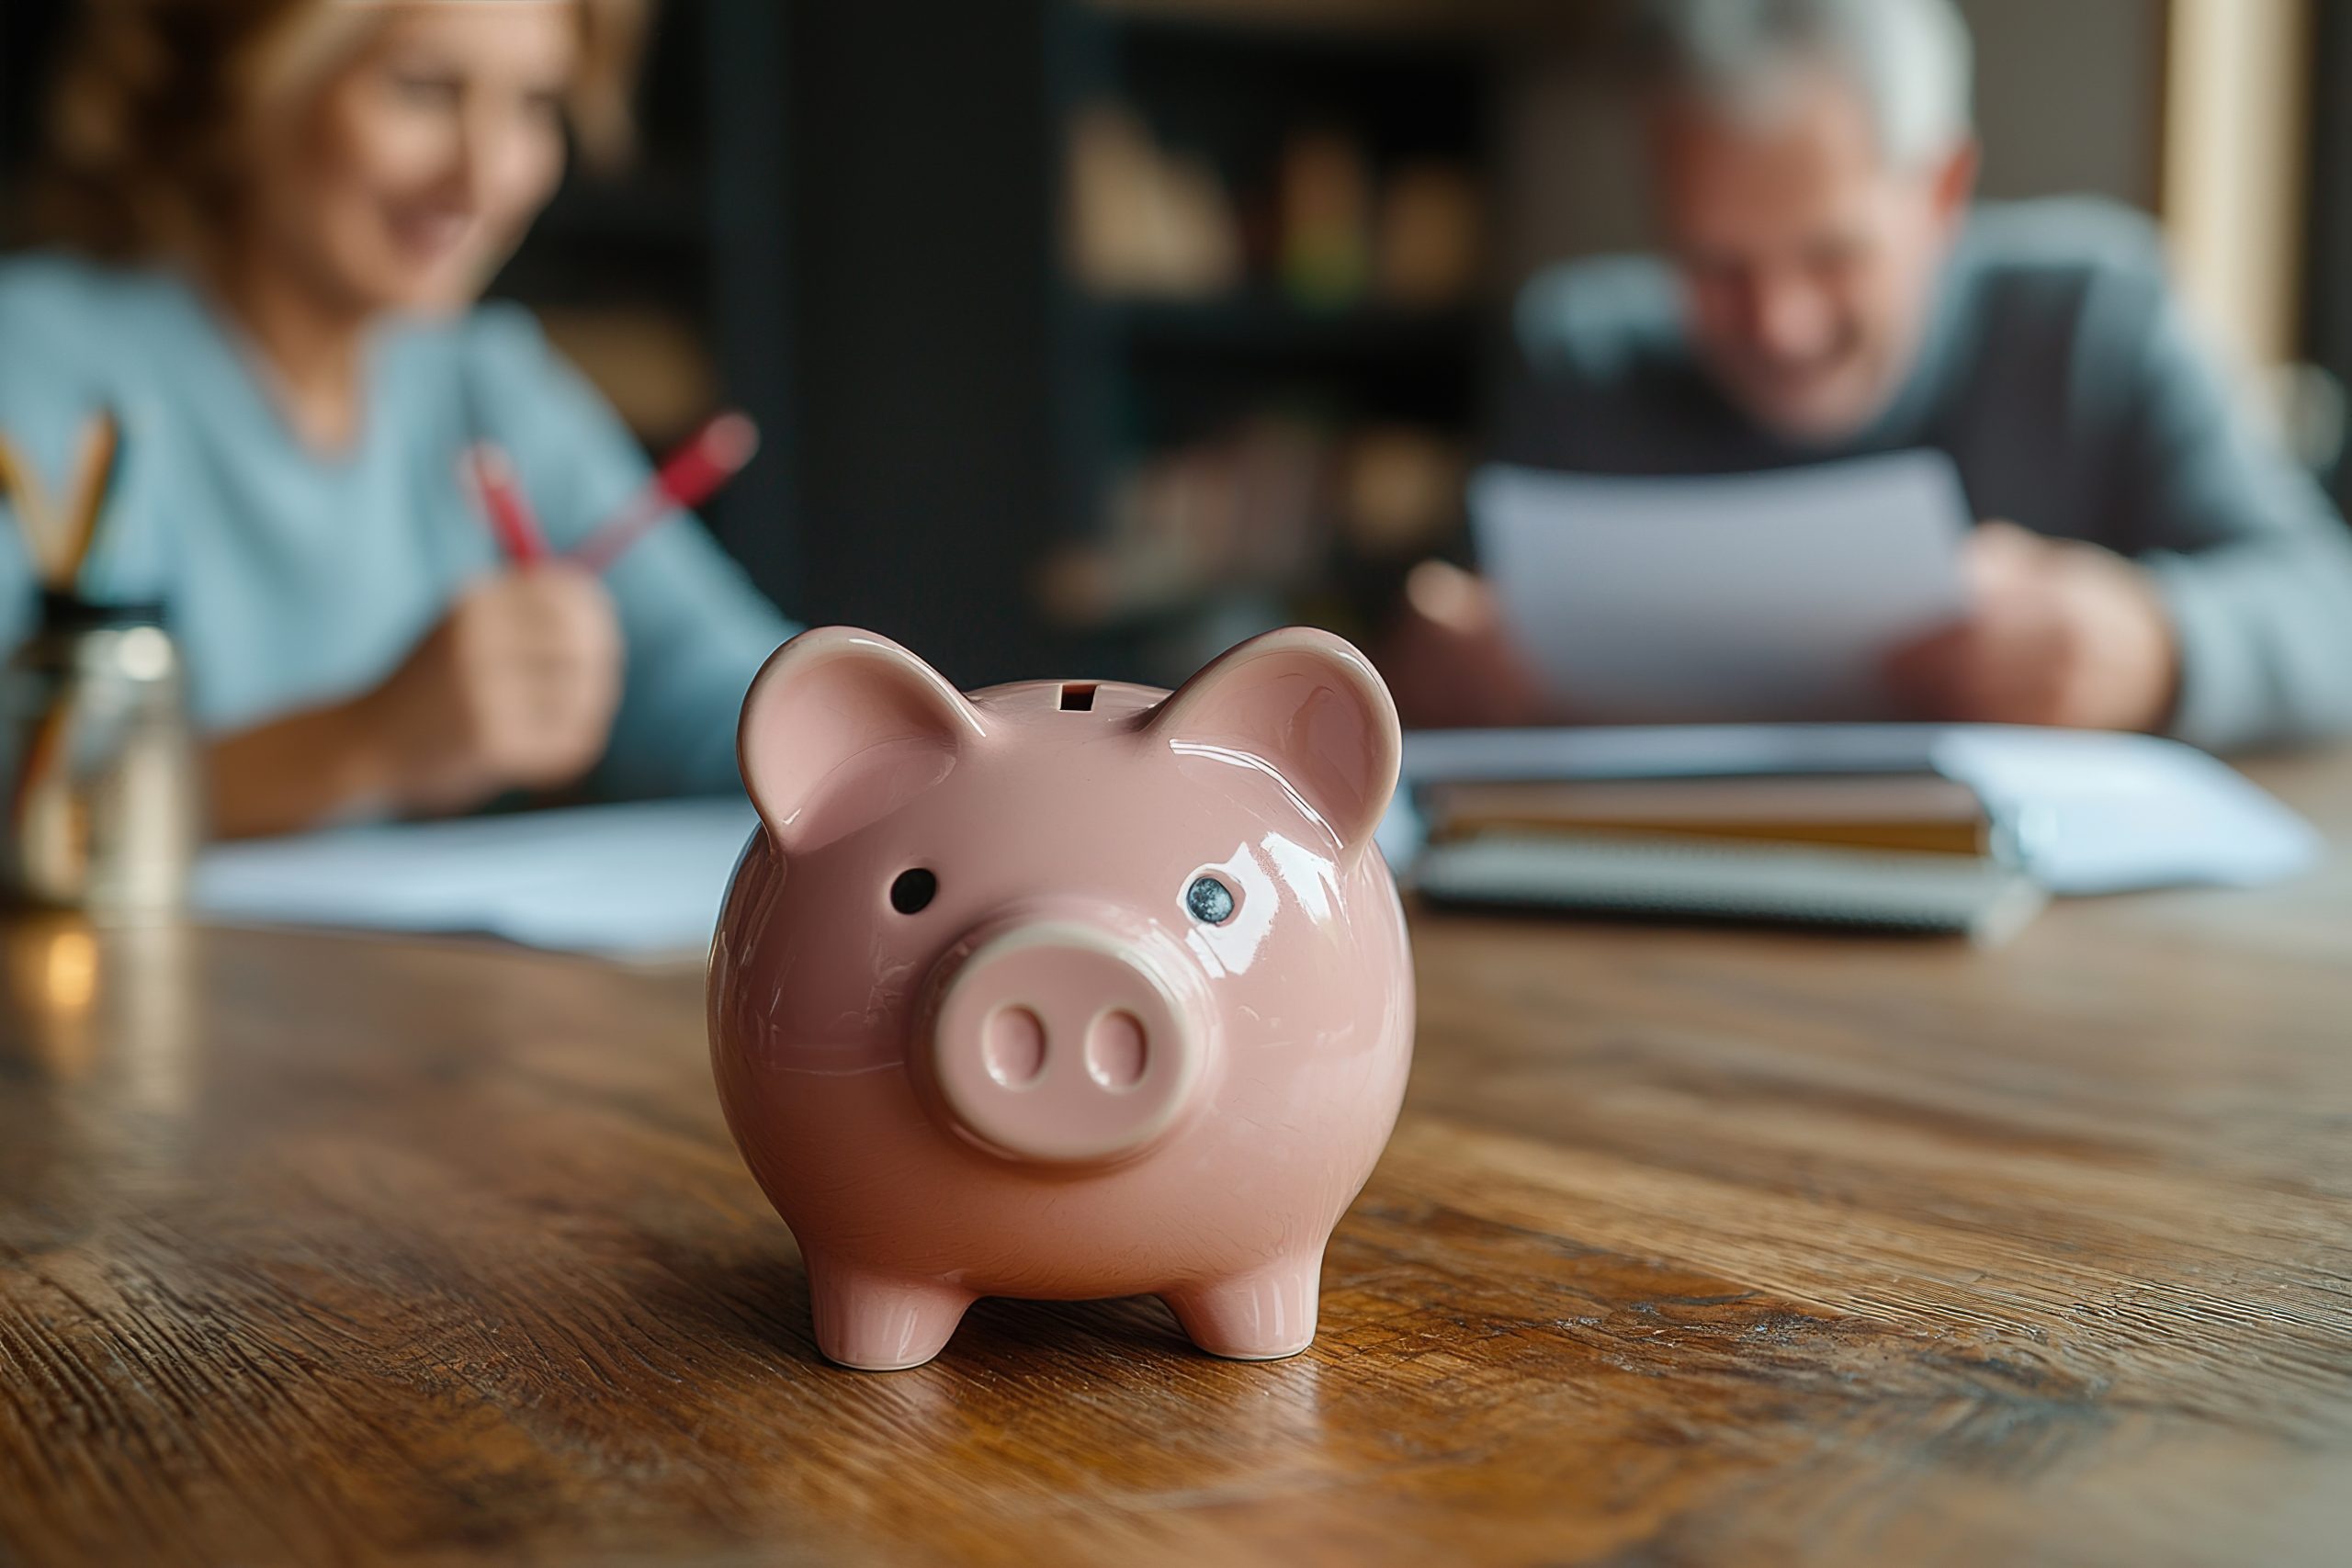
(516, 688)
(1449, 660)
(2057, 633)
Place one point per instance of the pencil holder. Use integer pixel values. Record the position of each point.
(105, 803)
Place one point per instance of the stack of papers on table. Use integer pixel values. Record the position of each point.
(2079, 813)
(1805, 884)
(621, 881)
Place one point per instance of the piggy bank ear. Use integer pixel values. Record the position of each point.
(840, 728)
(1306, 705)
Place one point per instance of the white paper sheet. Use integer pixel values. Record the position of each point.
(1766, 596)
(624, 881)
(2103, 813)
(2095, 812)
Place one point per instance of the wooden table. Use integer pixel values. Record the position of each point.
(1692, 1246)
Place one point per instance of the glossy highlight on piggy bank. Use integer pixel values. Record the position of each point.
(1062, 990)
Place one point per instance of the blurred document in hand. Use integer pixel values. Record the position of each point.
(1744, 597)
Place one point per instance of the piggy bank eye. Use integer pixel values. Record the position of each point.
(1210, 901)
(914, 891)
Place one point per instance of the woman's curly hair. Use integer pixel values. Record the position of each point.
(154, 99)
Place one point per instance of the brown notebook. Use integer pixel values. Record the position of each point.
(1922, 812)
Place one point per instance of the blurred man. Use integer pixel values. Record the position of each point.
(1828, 292)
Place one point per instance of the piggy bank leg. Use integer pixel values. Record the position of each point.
(1259, 1317)
(880, 1323)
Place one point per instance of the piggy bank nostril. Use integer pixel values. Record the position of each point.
(1013, 1042)
(1114, 1050)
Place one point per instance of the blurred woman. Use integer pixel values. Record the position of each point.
(271, 221)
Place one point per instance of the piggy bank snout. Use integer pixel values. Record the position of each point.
(1064, 1043)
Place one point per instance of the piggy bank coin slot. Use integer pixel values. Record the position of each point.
(912, 892)
(1078, 696)
(1210, 901)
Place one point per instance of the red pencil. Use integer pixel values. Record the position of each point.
(511, 522)
(689, 477)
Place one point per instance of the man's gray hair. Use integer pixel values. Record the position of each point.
(1911, 60)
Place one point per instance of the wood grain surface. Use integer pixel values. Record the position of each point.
(1693, 1246)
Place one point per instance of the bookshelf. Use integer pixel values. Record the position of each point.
(1217, 423)
(1031, 439)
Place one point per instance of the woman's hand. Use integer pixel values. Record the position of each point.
(515, 689)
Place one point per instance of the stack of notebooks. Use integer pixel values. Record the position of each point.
(1903, 852)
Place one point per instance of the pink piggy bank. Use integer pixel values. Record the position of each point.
(1062, 990)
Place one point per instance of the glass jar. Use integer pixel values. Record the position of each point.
(105, 798)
